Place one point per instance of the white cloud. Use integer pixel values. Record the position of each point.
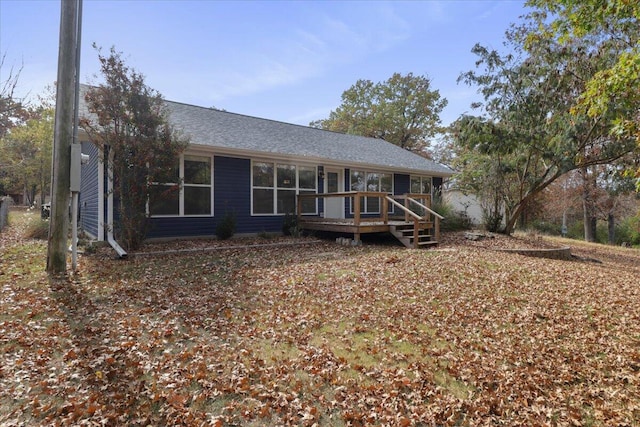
(306, 51)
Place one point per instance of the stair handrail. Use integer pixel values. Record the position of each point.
(425, 208)
(401, 206)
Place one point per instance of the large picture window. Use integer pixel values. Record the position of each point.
(420, 184)
(275, 186)
(371, 181)
(193, 197)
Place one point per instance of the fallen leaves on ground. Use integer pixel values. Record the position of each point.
(321, 334)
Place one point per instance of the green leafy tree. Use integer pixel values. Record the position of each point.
(614, 196)
(403, 110)
(12, 113)
(529, 126)
(484, 170)
(25, 154)
(130, 125)
(613, 90)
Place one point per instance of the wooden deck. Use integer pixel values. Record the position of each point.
(416, 225)
(348, 225)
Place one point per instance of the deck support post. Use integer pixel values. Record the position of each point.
(356, 216)
(385, 210)
(406, 205)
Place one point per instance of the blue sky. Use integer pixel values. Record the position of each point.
(282, 60)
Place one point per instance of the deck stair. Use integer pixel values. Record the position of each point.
(405, 233)
(408, 217)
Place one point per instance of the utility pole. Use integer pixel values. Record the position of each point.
(63, 136)
(76, 149)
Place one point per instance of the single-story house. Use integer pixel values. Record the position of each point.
(260, 170)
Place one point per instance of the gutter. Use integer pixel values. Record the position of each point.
(121, 252)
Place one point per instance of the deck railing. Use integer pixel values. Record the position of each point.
(416, 208)
(410, 199)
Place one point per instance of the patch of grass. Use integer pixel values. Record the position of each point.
(452, 385)
(27, 224)
(273, 352)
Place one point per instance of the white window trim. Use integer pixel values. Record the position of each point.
(182, 185)
(422, 177)
(363, 208)
(275, 187)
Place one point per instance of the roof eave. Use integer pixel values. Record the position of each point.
(256, 154)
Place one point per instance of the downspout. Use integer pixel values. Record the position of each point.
(110, 239)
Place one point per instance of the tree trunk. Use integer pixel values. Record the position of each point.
(42, 185)
(611, 222)
(32, 194)
(25, 193)
(588, 208)
(512, 219)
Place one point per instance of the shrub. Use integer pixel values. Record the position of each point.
(290, 226)
(627, 231)
(453, 220)
(492, 221)
(226, 228)
(576, 231)
(545, 227)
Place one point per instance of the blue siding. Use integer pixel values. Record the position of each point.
(89, 190)
(181, 226)
(231, 194)
(401, 184)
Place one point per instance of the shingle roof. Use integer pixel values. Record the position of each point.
(215, 128)
(256, 136)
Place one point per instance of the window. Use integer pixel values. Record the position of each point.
(197, 185)
(371, 181)
(164, 198)
(420, 185)
(275, 186)
(307, 184)
(193, 197)
(263, 188)
(286, 191)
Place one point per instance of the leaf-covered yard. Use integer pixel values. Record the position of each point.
(320, 334)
